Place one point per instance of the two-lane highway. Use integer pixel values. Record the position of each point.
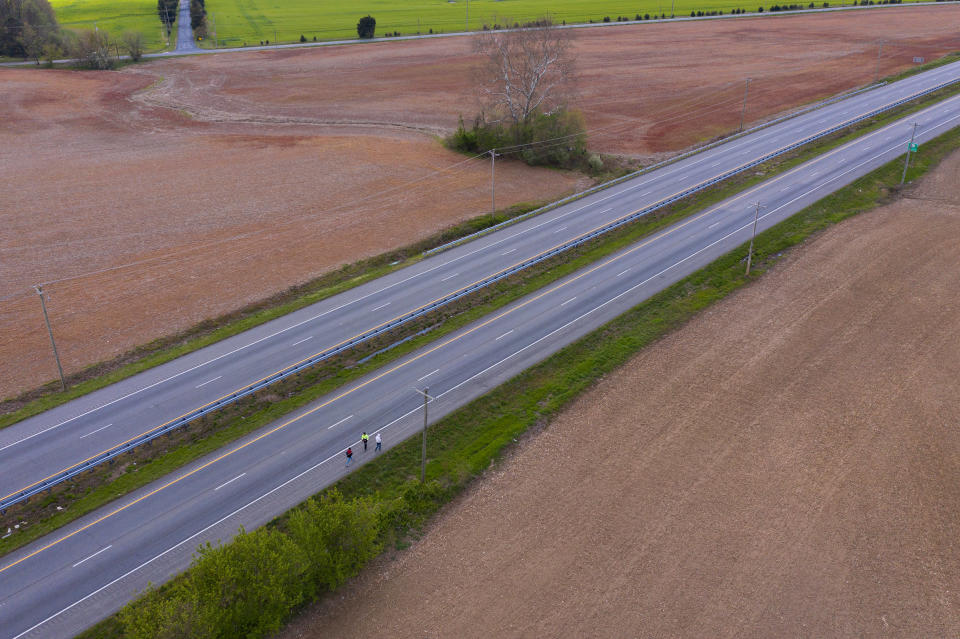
(60, 584)
(46, 444)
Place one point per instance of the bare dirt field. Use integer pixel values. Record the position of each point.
(785, 465)
(174, 191)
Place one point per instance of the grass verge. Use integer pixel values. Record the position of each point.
(72, 500)
(468, 441)
(210, 331)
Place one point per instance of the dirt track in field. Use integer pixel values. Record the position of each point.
(785, 465)
(175, 191)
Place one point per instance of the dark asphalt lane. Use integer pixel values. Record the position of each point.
(68, 580)
(45, 444)
(185, 43)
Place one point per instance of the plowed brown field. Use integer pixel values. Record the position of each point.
(785, 465)
(170, 192)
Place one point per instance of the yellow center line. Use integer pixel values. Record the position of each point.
(460, 290)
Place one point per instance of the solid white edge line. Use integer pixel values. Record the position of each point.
(229, 482)
(93, 555)
(318, 464)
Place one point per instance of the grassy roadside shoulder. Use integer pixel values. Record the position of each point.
(70, 501)
(203, 334)
(468, 441)
(166, 349)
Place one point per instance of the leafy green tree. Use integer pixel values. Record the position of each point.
(338, 536)
(248, 587)
(167, 11)
(198, 17)
(26, 26)
(366, 27)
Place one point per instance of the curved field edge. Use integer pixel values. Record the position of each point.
(219, 429)
(464, 444)
(163, 350)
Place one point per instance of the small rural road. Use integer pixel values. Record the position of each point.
(62, 583)
(185, 42)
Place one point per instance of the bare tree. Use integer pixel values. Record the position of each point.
(526, 70)
(91, 50)
(133, 43)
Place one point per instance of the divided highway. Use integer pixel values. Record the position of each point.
(60, 584)
(46, 444)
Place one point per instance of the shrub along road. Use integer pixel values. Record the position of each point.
(149, 536)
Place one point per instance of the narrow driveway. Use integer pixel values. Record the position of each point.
(185, 42)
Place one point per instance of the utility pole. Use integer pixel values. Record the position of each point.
(756, 217)
(275, 41)
(672, 3)
(877, 74)
(909, 148)
(743, 110)
(493, 184)
(213, 19)
(423, 448)
(468, 16)
(46, 318)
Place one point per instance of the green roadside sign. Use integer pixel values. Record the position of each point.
(913, 147)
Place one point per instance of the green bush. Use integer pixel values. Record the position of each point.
(338, 537)
(249, 587)
(366, 27)
(557, 139)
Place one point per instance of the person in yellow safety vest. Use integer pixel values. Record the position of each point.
(365, 439)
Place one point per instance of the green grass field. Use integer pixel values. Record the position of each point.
(252, 21)
(114, 16)
(239, 22)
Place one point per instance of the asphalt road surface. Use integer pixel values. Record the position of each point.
(185, 43)
(61, 584)
(44, 445)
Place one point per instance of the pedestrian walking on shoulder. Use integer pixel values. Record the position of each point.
(365, 439)
(377, 439)
(349, 455)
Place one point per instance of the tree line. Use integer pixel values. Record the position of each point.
(253, 585)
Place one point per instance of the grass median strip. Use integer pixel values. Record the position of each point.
(465, 443)
(71, 500)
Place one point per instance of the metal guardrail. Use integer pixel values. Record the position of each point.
(647, 169)
(168, 427)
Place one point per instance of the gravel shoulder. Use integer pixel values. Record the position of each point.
(783, 465)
